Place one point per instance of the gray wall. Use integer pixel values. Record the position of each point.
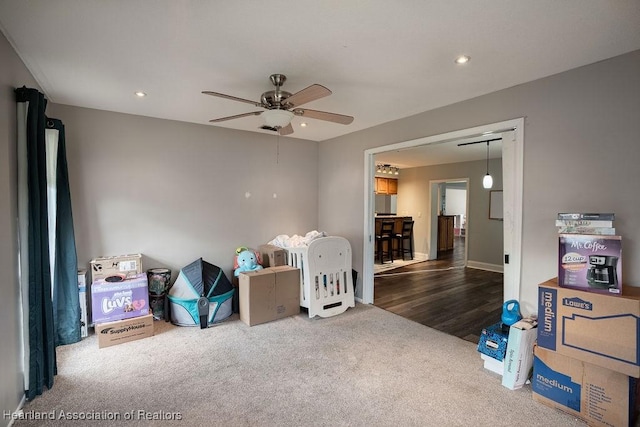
(176, 191)
(484, 236)
(13, 74)
(580, 154)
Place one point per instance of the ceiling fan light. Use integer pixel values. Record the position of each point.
(487, 181)
(277, 118)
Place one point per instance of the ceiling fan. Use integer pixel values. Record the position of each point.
(281, 106)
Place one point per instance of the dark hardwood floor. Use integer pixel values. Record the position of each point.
(443, 294)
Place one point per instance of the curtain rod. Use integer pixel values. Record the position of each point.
(479, 142)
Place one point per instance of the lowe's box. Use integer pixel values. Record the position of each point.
(123, 266)
(121, 331)
(597, 395)
(111, 301)
(269, 294)
(596, 328)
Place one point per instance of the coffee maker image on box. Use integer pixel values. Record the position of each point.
(602, 273)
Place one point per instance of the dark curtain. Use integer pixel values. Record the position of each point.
(66, 303)
(53, 317)
(42, 350)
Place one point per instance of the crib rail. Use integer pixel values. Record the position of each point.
(326, 282)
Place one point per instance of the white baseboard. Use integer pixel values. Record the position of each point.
(486, 266)
(18, 409)
(420, 255)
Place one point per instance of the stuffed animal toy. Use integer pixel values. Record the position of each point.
(247, 260)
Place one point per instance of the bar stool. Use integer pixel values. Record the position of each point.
(386, 235)
(405, 234)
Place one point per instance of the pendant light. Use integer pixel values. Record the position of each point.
(487, 181)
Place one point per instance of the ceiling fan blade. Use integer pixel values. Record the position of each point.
(237, 116)
(233, 98)
(308, 94)
(287, 130)
(323, 115)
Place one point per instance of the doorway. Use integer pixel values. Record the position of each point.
(512, 132)
(449, 197)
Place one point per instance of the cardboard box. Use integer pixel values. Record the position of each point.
(493, 341)
(597, 395)
(590, 263)
(111, 301)
(123, 266)
(518, 359)
(492, 364)
(596, 328)
(269, 294)
(273, 256)
(83, 296)
(121, 331)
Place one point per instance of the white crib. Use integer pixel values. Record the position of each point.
(326, 282)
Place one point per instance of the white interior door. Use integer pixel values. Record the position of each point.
(512, 207)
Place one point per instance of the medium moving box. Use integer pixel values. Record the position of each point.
(121, 265)
(597, 395)
(596, 328)
(121, 331)
(111, 301)
(269, 294)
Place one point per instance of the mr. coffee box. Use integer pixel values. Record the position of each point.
(111, 301)
(590, 263)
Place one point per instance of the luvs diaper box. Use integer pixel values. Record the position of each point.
(119, 300)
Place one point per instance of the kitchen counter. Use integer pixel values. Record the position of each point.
(397, 219)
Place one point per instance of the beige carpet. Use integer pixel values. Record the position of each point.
(365, 367)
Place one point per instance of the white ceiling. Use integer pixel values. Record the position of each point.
(383, 59)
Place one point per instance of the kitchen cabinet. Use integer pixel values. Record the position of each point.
(386, 185)
(445, 232)
(392, 186)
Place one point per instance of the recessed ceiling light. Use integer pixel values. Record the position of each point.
(140, 94)
(463, 59)
(303, 124)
